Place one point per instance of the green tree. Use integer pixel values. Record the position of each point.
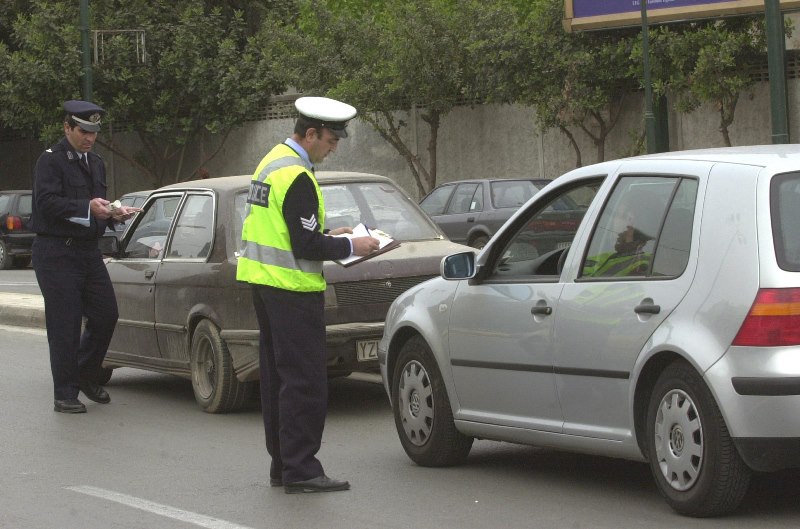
(204, 73)
(388, 59)
(33, 77)
(576, 82)
(709, 62)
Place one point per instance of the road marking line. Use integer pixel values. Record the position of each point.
(157, 508)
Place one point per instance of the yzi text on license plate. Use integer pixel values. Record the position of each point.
(367, 350)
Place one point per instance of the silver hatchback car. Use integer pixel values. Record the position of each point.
(659, 320)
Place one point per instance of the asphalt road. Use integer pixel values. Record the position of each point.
(152, 459)
(20, 281)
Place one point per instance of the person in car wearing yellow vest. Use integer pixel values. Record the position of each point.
(631, 255)
(284, 245)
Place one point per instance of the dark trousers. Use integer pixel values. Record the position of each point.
(74, 282)
(294, 380)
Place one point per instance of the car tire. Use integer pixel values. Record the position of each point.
(422, 412)
(6, 261)
(691, 454)
(479, 241)
(216, 388)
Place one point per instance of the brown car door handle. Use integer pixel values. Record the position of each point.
(149, 274)
(647, 308)
(541, 310)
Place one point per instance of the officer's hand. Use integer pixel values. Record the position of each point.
(123, 213)
(340, 231)
(99, 208)
(364, 245)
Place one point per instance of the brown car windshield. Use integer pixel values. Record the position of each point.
(378, 205)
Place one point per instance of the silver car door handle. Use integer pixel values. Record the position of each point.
(541, 310)
(149, 274)
(647, 308)
(470, 219)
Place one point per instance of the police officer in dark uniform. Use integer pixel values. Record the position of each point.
(285, 243)
(70, 212)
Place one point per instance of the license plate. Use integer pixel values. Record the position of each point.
(367, 350)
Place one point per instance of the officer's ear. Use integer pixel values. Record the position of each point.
(311, 132)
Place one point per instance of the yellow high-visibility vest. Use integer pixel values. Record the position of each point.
(266, 256)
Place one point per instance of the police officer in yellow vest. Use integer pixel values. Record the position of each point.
(284, 244)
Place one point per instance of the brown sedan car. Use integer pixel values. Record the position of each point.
(183, 312)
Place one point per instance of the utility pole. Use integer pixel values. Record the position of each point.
(86, 58)
(649, 117)
(776, 50)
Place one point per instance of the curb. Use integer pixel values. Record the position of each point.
(22, 310)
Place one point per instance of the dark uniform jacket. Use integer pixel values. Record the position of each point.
(62, 188)
(300, 203)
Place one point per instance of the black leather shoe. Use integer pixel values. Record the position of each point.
(320, 484)
(95, 392)
(69, 406)
(275, 482)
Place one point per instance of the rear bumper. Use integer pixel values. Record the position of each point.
(18, 244)
(769, 454)
(758, 392)
(766, 386)
(340, 345)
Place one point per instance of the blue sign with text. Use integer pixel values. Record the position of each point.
(593, 8)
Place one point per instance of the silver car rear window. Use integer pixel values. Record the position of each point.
(785, 208)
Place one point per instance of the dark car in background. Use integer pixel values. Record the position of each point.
(182, 311)
(471, 211)
(135, 200)
(16, 237)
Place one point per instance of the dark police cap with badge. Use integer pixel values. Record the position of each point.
(86, 114)
(323, 112)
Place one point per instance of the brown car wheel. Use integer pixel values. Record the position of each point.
(216, 388)
(6, 261)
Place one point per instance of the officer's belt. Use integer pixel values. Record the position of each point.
(70, 241)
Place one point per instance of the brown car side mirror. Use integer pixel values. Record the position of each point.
(109, 245)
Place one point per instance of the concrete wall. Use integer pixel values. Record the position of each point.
(500, 141)
(482, 141)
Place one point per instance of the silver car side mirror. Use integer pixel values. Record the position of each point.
(458, 266)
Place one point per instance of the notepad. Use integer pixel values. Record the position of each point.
(386, 243)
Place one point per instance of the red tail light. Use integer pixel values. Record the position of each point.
(13, 223)
(773, 320)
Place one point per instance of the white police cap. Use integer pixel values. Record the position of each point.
(325, 112)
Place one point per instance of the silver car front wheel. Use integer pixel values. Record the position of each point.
(415, 403)
(422, 412)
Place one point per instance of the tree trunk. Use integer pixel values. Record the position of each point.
(726, 113)
(574, 144)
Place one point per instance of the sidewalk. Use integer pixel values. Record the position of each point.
(22, 310)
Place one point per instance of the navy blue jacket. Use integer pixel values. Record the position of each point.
(62, 188)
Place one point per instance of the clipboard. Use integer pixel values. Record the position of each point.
(386, 243)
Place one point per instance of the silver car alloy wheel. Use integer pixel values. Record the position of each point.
(679, 440)
(415, 403)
